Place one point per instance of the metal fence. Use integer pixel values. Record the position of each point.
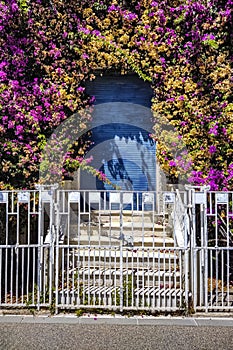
(211, 249)
(23, 253)
(120, 250)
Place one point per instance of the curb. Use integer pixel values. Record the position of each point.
(120, 320)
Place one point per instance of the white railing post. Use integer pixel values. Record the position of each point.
(121, 253)
(193, 260)
(40, 244)
(57, 212)
(199, 253)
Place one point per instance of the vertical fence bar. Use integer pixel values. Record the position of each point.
(206, 257)
(194, 251)
(121, 252)
(57, 256)
(1, 253)
(39, 245)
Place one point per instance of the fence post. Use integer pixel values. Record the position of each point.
(187, 251)
(121, 253)
(46, 257)
(199, 262)
(206, 252)
(57, 212)
(192, 234)
(40, 243)
(53, 230)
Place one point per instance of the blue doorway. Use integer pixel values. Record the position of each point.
(120, 135)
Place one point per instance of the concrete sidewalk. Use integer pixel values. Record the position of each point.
(193, 321)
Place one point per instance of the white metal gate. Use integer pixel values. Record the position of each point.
(116, 250)
(25, 255)
(211, 257)
(119, 251)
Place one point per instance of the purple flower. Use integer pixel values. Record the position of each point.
(84, 30)
(85, 55)
(160, 30)
(172, 163)
(19, 129)
(92, 99)
(96, 32)
(208, 37)
(3, 64)
(214, 130)
(130, 16)
(212, 149)
(15, 84)
(10, 124)
(2, 75)
(14, 7)
(113, 8)
(197, 178)
(162, 60)
(80, 89)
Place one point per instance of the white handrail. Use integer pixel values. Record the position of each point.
(180, 221)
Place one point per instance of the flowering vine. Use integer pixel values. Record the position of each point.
(49, 49)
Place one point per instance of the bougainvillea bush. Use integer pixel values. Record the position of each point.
(50, 48)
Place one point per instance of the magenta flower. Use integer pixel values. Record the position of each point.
(96, 32)
(19, 129)
(2, 75)
(113, 8)
(14, 7)
(85, 56)
(10, 125)
(80, 89)
(172, 163)
(214, 130)
(212, 149)
(130, 16)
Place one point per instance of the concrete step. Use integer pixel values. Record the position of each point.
(133, 225)
(128, 215)
(140, 278)
(129, 240)
(130, 257)
(115, 227)
(150, 297)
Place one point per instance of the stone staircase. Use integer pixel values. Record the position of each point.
(107, 225)
(136, 248)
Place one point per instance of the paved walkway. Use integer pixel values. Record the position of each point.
(20, 332)
(217, 320)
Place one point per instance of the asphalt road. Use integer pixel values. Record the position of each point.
(95, 335)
